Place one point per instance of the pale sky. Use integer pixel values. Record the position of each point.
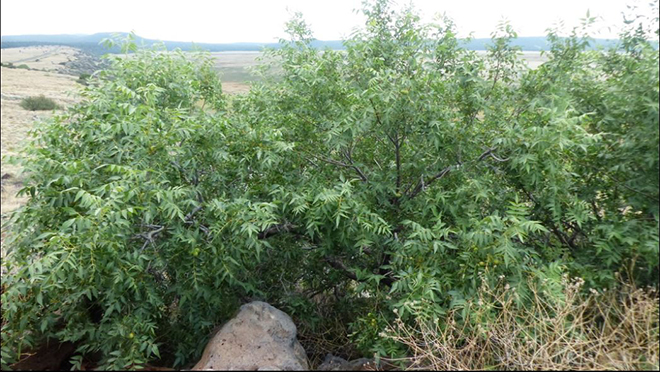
(224, 21)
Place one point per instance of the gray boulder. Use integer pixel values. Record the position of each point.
(259, 338)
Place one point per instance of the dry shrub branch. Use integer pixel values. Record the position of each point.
(599, 330)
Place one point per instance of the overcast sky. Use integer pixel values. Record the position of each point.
(223, 21)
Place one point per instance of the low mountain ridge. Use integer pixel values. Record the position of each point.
(90, 43)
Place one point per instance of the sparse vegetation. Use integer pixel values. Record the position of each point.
(39, 103)
(405, 181)
(11, 65)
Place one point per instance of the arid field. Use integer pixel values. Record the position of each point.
(47, 58)
(234, 69)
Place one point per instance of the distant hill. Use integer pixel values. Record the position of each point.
(90, 43)
(534, 43)
(60, 39)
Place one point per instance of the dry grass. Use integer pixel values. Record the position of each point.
(615, 330)
(46, 57)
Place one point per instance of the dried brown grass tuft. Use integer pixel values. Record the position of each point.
(600, 330)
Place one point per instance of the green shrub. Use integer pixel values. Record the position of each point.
(38, 103)
(397, 175)
(23, 66)
(139, 127)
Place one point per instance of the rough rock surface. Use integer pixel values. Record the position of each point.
(333, 363)
(83, 63)
(259, 338)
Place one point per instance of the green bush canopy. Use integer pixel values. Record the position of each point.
(39, 103)
(397, 175)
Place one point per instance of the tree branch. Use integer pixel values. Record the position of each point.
(348, 156)
(149, 237)
(362, 176)
(548, 221)
(337, 264)
(421, 185)
(397, 155)
(190, 215)
(490, 152)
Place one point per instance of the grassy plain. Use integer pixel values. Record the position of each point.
(234, 69)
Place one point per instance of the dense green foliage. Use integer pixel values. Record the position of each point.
(38, 103)
(396, 175)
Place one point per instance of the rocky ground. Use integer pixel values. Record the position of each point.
(60, 59)
(83, 63)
